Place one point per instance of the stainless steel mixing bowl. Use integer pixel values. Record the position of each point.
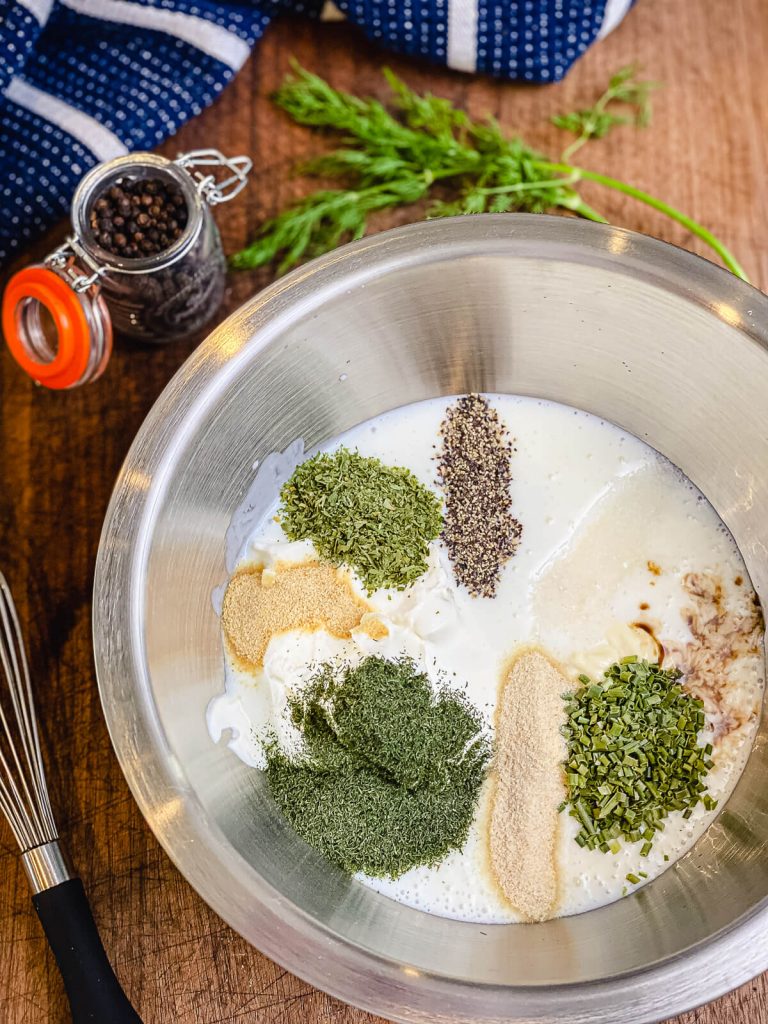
(638, 332)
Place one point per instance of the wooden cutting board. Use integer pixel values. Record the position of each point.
(707, 153)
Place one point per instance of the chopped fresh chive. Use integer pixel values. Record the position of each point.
(633, 878)
(634, 754)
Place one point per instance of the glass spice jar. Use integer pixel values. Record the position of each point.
(59, 316)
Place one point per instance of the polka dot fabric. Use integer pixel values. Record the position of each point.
(245, 21)
(84, 80)
(414, 27)
(534, 40)
(19, 30)
(37, 184)
(141, 89)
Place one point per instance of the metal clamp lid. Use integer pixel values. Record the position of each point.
(63, 259)
(213, 191)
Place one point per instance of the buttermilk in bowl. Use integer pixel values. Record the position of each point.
(499, 659)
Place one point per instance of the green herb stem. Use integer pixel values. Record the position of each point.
(568, 152)
(525, 186)
(687, 222)
(585, 210)
(634, 100)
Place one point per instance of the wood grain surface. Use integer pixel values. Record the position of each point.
(707, 153)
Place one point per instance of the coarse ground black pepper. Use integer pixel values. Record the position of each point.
(473, 468)
(136, 218)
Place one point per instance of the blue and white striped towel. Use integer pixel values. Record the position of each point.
(86, 80)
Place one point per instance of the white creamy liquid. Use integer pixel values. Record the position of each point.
(610, 529)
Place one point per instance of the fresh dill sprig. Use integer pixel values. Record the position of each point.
(625, 92)
(397, 158)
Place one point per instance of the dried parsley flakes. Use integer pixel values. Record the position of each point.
(359, 512)
(391, 772)
(633, 754)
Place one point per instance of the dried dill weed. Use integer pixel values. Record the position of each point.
(391, 770)
(473, 468)
(357, 511)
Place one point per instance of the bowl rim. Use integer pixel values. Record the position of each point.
(281, 929)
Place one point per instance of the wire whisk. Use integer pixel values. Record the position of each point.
(58, 895)
(23, 792)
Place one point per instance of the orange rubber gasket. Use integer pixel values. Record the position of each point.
(64, 305)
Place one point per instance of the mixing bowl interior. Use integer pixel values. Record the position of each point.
(631, 330)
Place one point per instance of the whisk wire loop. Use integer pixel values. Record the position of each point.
(23, 792)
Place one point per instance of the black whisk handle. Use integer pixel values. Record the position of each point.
(94, 993)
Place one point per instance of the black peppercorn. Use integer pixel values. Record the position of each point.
(139, 218)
